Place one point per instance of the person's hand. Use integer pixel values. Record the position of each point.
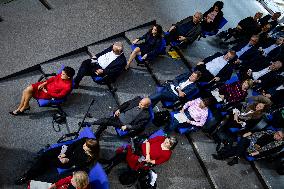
(181, 38)
(254, 153)
(64, 160)
(266, 95)
(238, 61)
(94, 57)
(249, 72)
(135, 41)
(239, 27)
(123, 127)
(199, 63)
(147, 158)
(144, 57)
(61, 156)
(247, 134)
(53, 186)
(40, 87)
(116, 113)
(127, 67)
(188, 121)
(99, 71)
(257, 81)
(172, 28)
(222, 97)
(44, 90)
(216, 79)
(181, 94)
(182, 110)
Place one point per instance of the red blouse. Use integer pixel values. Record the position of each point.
(156, 153)
(56, 88)
(233, 92)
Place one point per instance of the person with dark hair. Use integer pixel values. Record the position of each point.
(185, 31)
(154, 151)
(212, 17)
(217, 67)
(55, 87)
(257, 144)
(79, 154)
(109, 63)
(181, 87)
(244, 30)
(272, 20)
(193, 113)
(149, 49)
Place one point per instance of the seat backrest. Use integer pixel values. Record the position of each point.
(162, 49)
(98, 178)
(222, 23)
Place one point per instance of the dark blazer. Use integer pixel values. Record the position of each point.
(189, 89)
(152, 44)
(249, 54)
(140, 121)
(226, 72)
(215, 24)
(193, 33)
(249, 26)
(114, 69)
(264, 20)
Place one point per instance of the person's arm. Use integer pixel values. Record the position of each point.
(201, 122)
(116, 66)
(187, 105)
(143, 120)
(64, 91)
(61, 182)
(148, 157)
(51, 79)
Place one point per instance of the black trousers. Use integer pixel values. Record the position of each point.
(206, 75)
(46, 161)
(87, 68)
(238, 150)
(105, 122)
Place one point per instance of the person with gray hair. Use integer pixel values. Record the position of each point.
(185, 31)
(107, 64)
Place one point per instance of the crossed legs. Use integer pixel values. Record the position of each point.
(135, 52)
(26, 97)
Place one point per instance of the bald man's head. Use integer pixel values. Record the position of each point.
(144, 103)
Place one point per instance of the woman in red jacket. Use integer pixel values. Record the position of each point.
(154, 151)
(79, 180)
(55, 87)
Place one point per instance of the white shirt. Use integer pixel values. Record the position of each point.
(181, 86)
(243, 50)
(269, 49)
(215, 65)
(105, 59)
(256, 75)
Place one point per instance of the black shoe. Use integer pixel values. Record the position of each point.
(17, 113)
(234, 161)
(21, 180)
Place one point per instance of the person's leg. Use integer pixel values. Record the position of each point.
(164, 95)
(134, 53)
(25, 99)
(104, 123)
(114, 161)
(206, 75)
(239, 150)
(85, 69)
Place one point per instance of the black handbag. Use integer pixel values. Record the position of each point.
(162, 118)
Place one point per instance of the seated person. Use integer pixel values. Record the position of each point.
(244, 118)
(131, 116)
(79, 180)
(181, 87)
(193, 113)
(272, 20)
(244, 30)
(233, 93)
(277, 32)
(246, 51)
(258, 144)
(271, 50)
(154, 151)
(186, 31)
(212, 17)
(217, 67)
(150, 48)
(110, 62)
(276, 96)
(261, 72)
(79, 154)
(264, 35)
(55, 87)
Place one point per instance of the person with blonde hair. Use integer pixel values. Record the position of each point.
(79, 180)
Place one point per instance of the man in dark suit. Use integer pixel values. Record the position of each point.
(217, 67)
(185, 31)
(246, 51)
(108, 63)
(272, 20)
(131, 116)
(181, 87)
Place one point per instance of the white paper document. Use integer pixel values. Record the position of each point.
(39, 185)
(181, 117)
